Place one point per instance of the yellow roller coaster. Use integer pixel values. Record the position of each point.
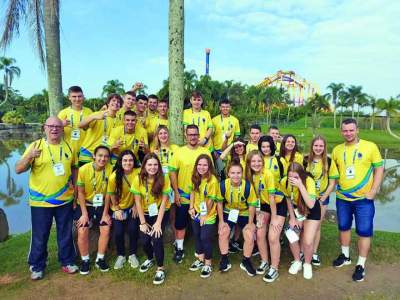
(298, 88)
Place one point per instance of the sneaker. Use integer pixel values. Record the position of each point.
(102, 265)
(271, 275)
(232, 248)
(239, 245)
(341, 260)
(70, 269)
(255, 251)
(159, 277)
(178, 256)
(205, 271)
(307, 271)
(262, 268)
(196, 265)
(37, 275)
(359, 273)
(119, 264)
(302, 257)
(295, 267)
(224, 264)
(247, 266)
(132, 259)
(144, 267)
(85, 267)
(316, 261)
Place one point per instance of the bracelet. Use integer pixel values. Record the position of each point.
(142, 223)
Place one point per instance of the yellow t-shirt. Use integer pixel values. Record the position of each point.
(93, 181)
(97, 134)
(165, 155)
(152, 126)
(74, 117)
(251, 147)
(46, 189)
(278, 148)
(140, 189)
(271, 164)
(202, 119)
(183, 162)
(126, 200)
(264, 186)
(298, 157)
(120, 116)
(322, 180)
(208, 190)
(286, 190)
(364, 156)
(229, 159)
(221, 126)
(234, 197)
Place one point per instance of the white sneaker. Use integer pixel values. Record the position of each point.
(295, 267)
(132, 259)
(307, 271)
(119, 264)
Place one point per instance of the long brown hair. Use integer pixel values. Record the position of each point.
(324, 159)
(157, 144)
(282, 151)
(299, 169)
(158, 184)
(249, 172)
(196, 177)
(234, 155)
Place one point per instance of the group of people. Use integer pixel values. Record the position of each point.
(117, 168)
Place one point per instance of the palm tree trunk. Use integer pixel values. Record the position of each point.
(388, 127)
(372, 119)
(334, 117)
(288, 114)
(53, 55)
(358, 113)
(352, 111)
(176, 69)
(5, 90)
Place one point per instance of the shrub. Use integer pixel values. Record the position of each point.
(13, 117)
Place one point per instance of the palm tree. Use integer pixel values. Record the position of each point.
(361, 101)
(372, 104)
(7, 65)
(351, 95)
(112, 87)
(390, 107)
(318, 103)
(335, 90)
(43, 18)
(176, 68)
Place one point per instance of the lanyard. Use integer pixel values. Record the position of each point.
(239, 192)
(105, 124)
(72, 117)
(126, 180)
(270, 162)
(94, 181)
(147, 193)
(204, 192)
(51, 154)
(313, 168)
(354, 154)
(229, 123)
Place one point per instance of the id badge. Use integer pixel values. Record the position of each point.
(260, 219)
(104, 139)
(165, 170)
(233, 215)
(258, 207)
(98, 200)
(171, 197)
(75, 135)
(299, 216)
(153, 209)
(58, 169)
(318, 184)
(203, 208)
(291, 235)
(350, 172)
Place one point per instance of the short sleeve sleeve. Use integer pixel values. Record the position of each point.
(111, 184)
(376, 157)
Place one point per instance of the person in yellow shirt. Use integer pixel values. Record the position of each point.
(129, 104)
(226, 127)
(125, 215)
(255, 134)
(273, 131)
(204, 196)
(130, 136)
(72, 116)
(98, 128)
(52, 165)
(237, 207)
(160, 119)
(325, 173)
(152, 105)
(304, 215)
(289, 152)
(235, 151)
(151, 189)
(272, 163)
(201, 118)
(93, 206)
(361, 170)
(180, 171)
(141, 110)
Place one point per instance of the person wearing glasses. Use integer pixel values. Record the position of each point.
(53, 169)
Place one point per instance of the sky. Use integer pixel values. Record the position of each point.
(353, 42)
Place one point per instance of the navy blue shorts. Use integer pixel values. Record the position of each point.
(281, 208)
(325, 202)
(182, 216)
(313, 213)
(363, 211)
(94, 214)
(241, 221)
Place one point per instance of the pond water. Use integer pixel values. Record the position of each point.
(14, 191)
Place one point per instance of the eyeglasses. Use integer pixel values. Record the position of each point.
(193, 134)
(54, 127)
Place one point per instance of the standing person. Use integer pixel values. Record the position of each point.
(93, 207)
(325, 173)
(361, 169)
(52, 159)
(129, 104)
(273, 131)
(181, 168)
(263, 183)
(235, 151)
(237, 207)
(98, 128)
(226, 127)
(255, 134)
(125, 215)
(289, 152)
(201, 118)
(160, 119)
(272, 163)
(72, 116)
(141, 110)
(304, 215)
(151, 189)
(152, 106)
(204, 195)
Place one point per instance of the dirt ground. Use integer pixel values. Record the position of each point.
(382, 282)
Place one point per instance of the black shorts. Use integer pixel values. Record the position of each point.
(281, 208)
(315, 212)
(94, 214)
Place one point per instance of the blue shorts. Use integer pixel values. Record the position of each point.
(241, 221)
(363, 211)
(326, 201)
(181, 216)
(94, 213)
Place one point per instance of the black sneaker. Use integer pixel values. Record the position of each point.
(247, 266)
(196, 265)
(255, 251)
(316, 261)
(85, 267)
(341, 260)
(224, 264)
(102, 265)
(178, 256)
(159, 277)
(206, 271)
(239, 245)
(359, 273)
(146, 265)
(271, 275)
(232, 248)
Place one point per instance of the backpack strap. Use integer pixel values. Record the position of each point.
(280, 166)
(247, 188)
(223, 188)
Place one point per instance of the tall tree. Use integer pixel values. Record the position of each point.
(10, 70)
(335, 90)
(112, 87)
(390, 107)
(176, 24)
(361, 101)
(318, 103)
(372, 104)
(351, 95)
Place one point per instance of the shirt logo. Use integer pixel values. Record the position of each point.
(359, 155)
